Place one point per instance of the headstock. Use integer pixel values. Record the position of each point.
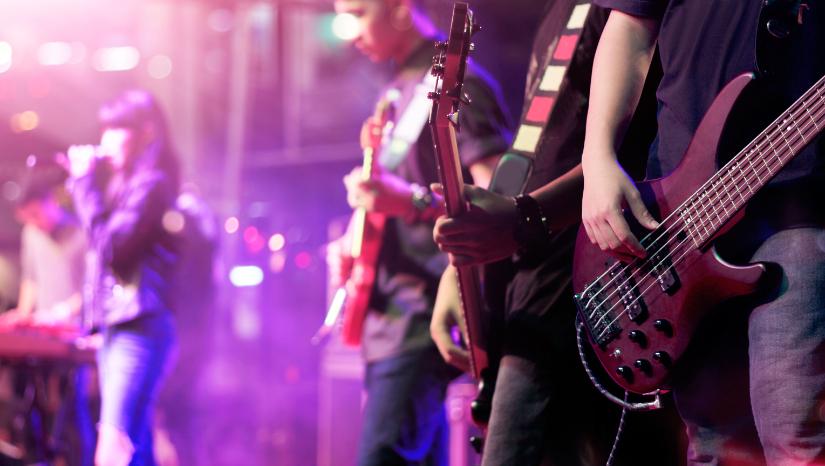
(449, 65)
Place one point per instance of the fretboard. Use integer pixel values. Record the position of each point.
(752, 168)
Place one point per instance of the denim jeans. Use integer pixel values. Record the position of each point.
(133, 361)
(405, 422)
(751, 387)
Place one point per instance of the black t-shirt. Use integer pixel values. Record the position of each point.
(704, 44)
(410, 263)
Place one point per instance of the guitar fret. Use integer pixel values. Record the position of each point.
(808, 111)
(753, 169)
(687, 220)
(795, 125)
(784, 136)
(716, 189)
(744, 177)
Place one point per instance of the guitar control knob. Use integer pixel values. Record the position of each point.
(663, 326)
(625, 372)
(638, 337)
(643, 365)
(662, 357)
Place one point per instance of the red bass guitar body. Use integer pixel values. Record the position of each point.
(641, 316)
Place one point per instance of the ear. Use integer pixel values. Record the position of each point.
(401, 15)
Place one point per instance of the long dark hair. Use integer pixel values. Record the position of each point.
(135, 109)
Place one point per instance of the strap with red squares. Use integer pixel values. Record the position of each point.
(538, 113)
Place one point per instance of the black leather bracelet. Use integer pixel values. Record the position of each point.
(531, 232)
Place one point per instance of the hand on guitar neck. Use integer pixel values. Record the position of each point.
(446, 318)
(483, 234)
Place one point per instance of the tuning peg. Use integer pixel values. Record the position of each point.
(465, 99)
(440, 45)
(433, 95)
(438, 70)
(472, 46)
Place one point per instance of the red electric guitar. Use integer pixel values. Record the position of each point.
(449, 67)
(640, 316)
(366, 233)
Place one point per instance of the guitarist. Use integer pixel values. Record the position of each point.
(750, 388)
(406, 380)
(544, 410)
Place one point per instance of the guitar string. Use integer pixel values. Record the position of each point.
(716, 192)
(785, 153)
(688, 251)
(725, 169)
(703, 193)
(767, 132)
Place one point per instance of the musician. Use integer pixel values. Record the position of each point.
(406, 381)
(751, 385)
(53, 248)
(122, 190)
(544, 410)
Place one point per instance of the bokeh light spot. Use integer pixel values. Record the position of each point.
(231, 225)
(346, 26)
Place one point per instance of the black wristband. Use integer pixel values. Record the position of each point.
(531, 232)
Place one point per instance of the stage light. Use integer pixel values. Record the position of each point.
(231, 225)
(5, 56)
(276, 242)
(54, 53)
(346, 26)
(116, 59)
(160, 66)
(246, 275)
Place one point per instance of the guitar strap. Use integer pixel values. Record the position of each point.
(409, 125)
(514, 168)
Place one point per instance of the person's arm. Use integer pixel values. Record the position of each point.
(619, 69)
(27, 298)
(487, 232)
(446, 317)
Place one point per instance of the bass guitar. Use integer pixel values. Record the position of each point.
(449, 67)
(640, 316)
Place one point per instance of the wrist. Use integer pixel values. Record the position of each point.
(422, 204)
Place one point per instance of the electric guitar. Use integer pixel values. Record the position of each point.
(449, 66)
(367, 231)
(640, 316)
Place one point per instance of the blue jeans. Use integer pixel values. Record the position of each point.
(132, 362)
(404, 418)
(751, 388)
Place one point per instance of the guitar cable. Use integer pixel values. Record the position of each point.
(625, 404)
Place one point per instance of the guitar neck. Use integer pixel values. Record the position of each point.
(452, 178)
(719, 199)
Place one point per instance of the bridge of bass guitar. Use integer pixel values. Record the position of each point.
(640, 318)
